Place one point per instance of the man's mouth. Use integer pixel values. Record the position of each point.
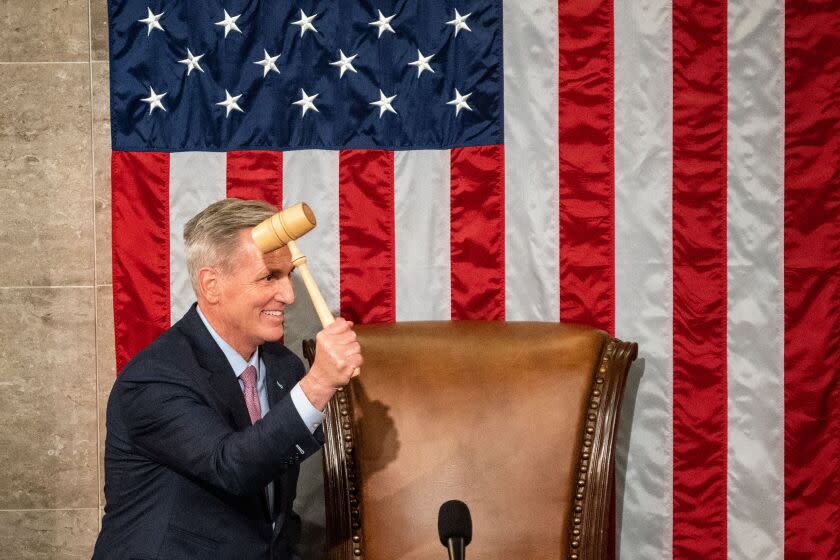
(273, 313)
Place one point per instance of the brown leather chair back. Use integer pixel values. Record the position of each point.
(515, 419)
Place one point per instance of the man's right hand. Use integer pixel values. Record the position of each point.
(337, 355)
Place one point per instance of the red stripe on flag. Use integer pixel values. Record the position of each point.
(587, 183)
(255, 175)
(140, 230)
(812, 280)
(699, 246)
(477, 226)
(366, 235)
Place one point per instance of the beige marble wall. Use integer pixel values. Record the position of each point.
(56, 323)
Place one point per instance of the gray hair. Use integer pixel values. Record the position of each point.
(212, 236)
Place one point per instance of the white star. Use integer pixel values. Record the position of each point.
(152, 20)
(422, 63)
(344, 63)
(306, 102)
(229, 23)
(383, 23)
(154, 100)
(305, 22)
(230, 103)
(460, 22)
(384, 103)
(192, 62)
(268, 63)
(460, 102)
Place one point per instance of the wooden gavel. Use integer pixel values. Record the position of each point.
(282, 229)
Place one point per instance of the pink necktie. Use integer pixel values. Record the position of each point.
(252, 400)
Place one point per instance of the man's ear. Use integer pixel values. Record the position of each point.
(209, 285)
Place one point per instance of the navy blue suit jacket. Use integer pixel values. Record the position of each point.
(185, 471)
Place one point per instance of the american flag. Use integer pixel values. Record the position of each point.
(667, 170)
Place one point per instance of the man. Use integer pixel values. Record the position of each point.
(206, 426)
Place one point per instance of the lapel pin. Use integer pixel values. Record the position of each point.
(279, 384)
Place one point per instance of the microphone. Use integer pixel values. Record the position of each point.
(455, 528)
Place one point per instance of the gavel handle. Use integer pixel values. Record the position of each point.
(324, 314)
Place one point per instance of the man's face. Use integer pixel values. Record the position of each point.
(254, 293)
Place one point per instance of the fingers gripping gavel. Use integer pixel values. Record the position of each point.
(282, 229)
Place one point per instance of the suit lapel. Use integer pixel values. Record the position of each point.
(279, 379)
(220, 375)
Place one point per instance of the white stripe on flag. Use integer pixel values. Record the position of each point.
(643, 268)
(421, 235)
(311, 176)
(531, 161)
(196, 179)
(755, 334)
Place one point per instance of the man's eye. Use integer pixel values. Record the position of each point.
(270, 277)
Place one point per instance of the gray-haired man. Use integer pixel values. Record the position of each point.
(208, 424)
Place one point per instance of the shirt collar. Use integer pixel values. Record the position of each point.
(234, 358)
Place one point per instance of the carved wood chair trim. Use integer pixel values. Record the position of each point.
(342, 493)
(590, 523)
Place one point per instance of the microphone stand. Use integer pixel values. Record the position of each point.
(456, 548)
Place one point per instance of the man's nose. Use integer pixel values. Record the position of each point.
(285, 292)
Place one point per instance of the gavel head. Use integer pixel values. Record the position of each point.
(283, 227)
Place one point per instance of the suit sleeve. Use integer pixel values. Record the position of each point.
(171, 423)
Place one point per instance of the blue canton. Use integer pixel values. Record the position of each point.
(315, 74)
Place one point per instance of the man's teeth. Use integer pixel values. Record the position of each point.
(274, 313)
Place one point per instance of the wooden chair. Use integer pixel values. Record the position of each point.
(518, 420)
